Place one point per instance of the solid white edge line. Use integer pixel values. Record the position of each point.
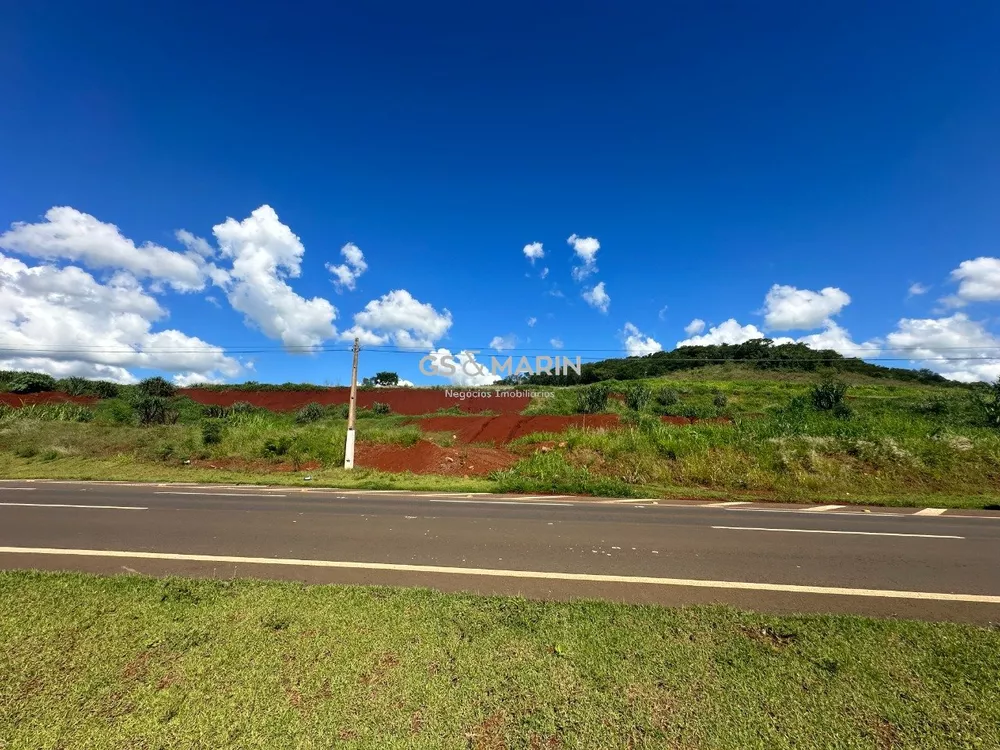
(832, 531)
(16, 489)
(503, 502)
(533, 574)
(216, 494)
(89, 507)
(930, 512)
(823, 508)
(728, 504)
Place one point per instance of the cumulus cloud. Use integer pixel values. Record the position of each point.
(531, 322)
(556, 343)
(264, 253)
(729, 332)
(71, 235)
(586, 251)
(597, 297)
(955, 346)
(65, 322)
(194, 243)
(462, 368)
(979, 281)
(638, 345)
(695, 327)
(534, 252)
(916, 289)
(500, 343)
(544, 273)
(839, 340)
(787, 308)
(400, 318)
(345, 276)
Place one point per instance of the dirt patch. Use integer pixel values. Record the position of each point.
(427, 458)
(409, 401)
(507, 427)
(49, 397)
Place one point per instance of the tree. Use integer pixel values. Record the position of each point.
(382, 380)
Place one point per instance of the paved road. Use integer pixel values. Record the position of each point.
(776, 559)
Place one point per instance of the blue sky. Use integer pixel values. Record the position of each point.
(715, 150)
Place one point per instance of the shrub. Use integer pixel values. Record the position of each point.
(340, 411)
(75, 386)
(592, 399)
(842, 411)
(380, 409)
(214, 411)
(153, 410)
(242, 407)
(157, 387)
(638, 396)
(988, 402)
(828, 394)
(309, 413)
(31, 382)
(211, 432)
(720, 401)
(277, 447)
(666, 397)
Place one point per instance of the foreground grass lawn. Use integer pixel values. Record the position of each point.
(92, 662)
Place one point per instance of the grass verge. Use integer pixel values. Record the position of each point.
(108, 662)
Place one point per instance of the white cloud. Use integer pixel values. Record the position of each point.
(662, 314)
(544, 273)
(467, 370)
(638, 345)
(195, 244)
(916, 289)
(190, 379)
(787, 308)
(264, 254)
(531, 322)
(400, 318)
(534, 252)
(586, 250)
(597, 297)
(695, 327)
(68, 234)
(729, 332)
(500, 343)
(346, 274)
(64, 322)
(556, 343)
(979, 281)
(955, 346)
(837, 338)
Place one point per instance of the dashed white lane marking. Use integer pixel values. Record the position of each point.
(217, 494)
(502, 502)
(88, 507)
(18, 489)
(822, 508)
(728, 504)
(930, 512)
(831, 531)
(488, 572)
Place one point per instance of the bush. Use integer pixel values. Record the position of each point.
(988, 401)
(592, 399)
(828, 394)
(380, 409)
(214, 411)
(720, 401)
(156, 387)
(340, 411)
(638, 396)
(242, 407)
(842, 411)
(309, 413)
(75, 386)
(277, 447)
(153, 410)
(211, 432)
(666, 397)
(31, 382)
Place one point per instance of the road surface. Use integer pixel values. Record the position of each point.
(778, 559)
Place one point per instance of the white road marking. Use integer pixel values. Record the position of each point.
(502, 502)
(830, 531)
(217, 494)
(59, 505)
(18, 489)
(930, 512)
(822, 508)
(500, 573)
(728, 504)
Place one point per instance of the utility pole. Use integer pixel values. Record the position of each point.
(352, 412)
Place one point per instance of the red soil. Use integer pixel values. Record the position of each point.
(427, 458)
(507, 427)
(49, 397)
(410, 401)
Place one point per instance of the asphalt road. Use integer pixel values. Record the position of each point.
(771, 558)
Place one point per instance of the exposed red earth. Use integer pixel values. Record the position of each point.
(48, 397)
(508, 427)
(427, 458)
(408, 401)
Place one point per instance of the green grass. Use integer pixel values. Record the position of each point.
(95, 663)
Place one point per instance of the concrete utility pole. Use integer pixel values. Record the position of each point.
(352, 412)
